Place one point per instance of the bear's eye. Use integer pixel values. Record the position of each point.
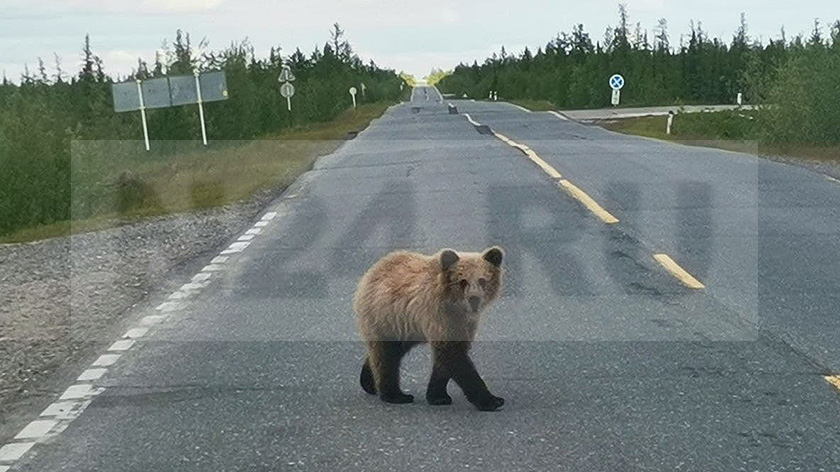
(464, 284)
(482, 283)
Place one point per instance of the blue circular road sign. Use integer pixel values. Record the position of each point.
(616, 82)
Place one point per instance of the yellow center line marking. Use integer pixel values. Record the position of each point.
(544, 165)
(833, 380)
(687, 279)
(588, 202)
(571, 188)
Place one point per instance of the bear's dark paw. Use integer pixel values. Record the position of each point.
(397, 398)
(366, 380)
(439, 400)
(368, 385)
(491, 404)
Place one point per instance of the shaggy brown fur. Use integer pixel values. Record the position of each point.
(406, 299)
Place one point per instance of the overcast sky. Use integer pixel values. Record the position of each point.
(404, 35)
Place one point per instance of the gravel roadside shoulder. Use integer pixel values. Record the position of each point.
(61, 298)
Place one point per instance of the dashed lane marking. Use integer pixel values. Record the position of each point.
(77, 397)
(106, 360)
(588, 202)
(681, 274)
(91, 374)
(14, 451)
(135, 333)
(78, 391)
(36, 429)
(565, 184)
(121, 345)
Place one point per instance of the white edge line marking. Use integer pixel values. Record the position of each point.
(14, 451)
(832, 179)
(472, 122)
(558, 115)
(61, 409)
(121, 345)
(520, 107)
(36, 429)
(135, 333)
(169, 306)
(77, 397)
(193, 286)
(78, 391)
(106, 360)
(91, 374)
(151, 319)
(178, 295)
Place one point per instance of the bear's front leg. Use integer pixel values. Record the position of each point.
(436, 392)
(453, 359)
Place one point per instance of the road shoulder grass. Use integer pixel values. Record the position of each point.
(116, 182)
(729, 130)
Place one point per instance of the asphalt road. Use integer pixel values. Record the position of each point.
(607, 361)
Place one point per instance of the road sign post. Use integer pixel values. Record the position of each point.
(165, 92)
(143, 113)
(353, 94)
(616, 84)
(200, 108)
(287, 90)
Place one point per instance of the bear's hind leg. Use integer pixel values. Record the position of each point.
(366, 378)
(386, 357)
(453, 357)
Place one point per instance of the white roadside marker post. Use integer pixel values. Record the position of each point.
(143, 114)
(200, 109)
(670, 122)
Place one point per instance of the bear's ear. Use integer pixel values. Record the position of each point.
(448, 258)
(494, 256)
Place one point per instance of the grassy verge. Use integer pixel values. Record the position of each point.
(730, 130)
(534, 105)
(115, 182)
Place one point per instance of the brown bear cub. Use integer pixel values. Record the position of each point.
(406, 299)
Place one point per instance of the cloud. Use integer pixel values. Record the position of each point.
(50, 8)
(182, 6)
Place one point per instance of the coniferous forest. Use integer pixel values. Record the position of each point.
(796, 76)
(49, 107)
